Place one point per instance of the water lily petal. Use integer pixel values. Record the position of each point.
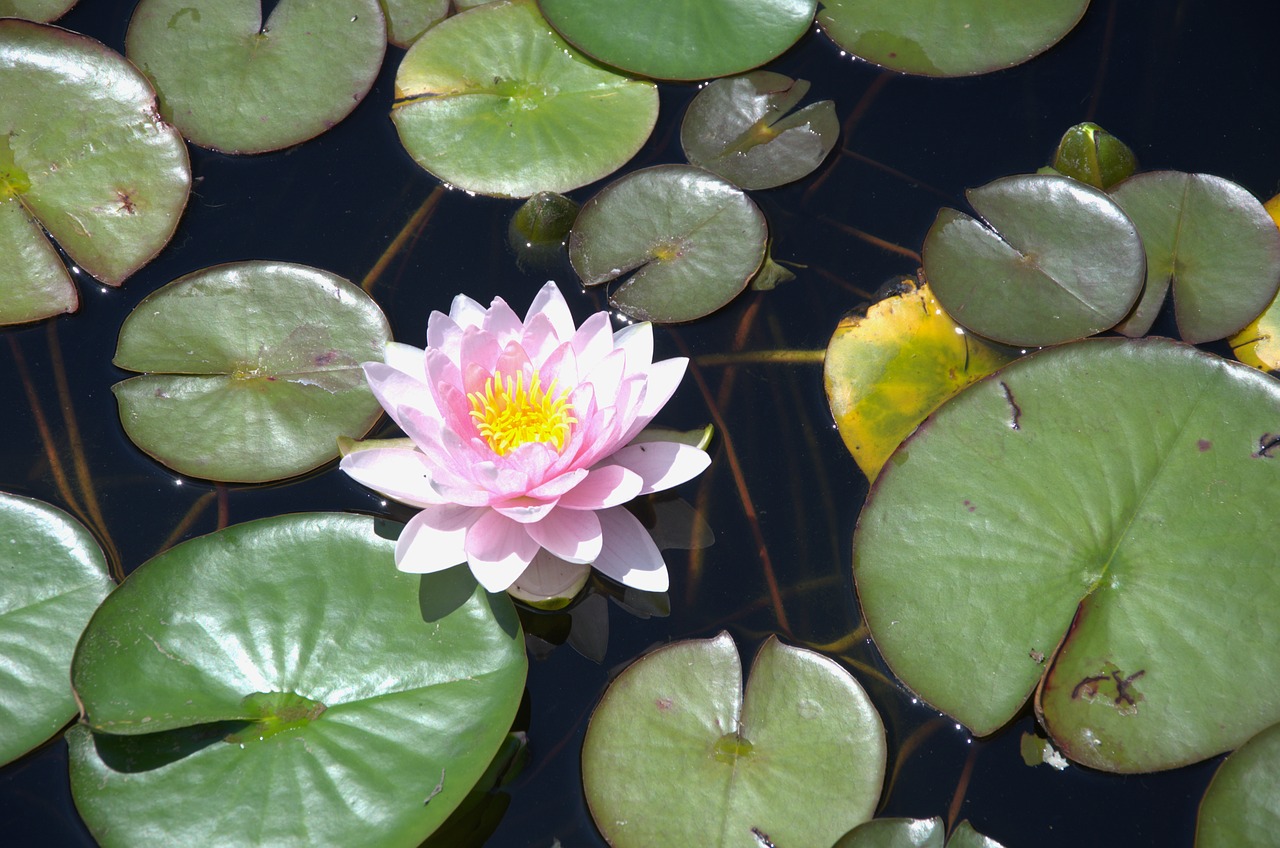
(434, 539)
(407, 359)
(558, 485)
(662, 464)
(539, 339)
(605, 486)
(561, 366)
(637, 341)
(443, 334)
(498, 550)
(549, 577)
(606, 376)
(393, 387)
(572, 535)
(593, 341)
(399, 473)
(478, 348)
(551, 303)
(629, 554)
(502, 322)
(514, 360)
(466, 312)
(664, 378)
(524, 510)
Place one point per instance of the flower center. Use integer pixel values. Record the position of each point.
(508, 414)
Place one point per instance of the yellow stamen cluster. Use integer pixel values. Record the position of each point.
(509, 415)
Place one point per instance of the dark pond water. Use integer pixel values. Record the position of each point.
(1189, 85)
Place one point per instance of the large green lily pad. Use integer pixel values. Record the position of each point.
(914, 833)
(681, 39)
(692, 239)
(1216, 243)
(233, 84)
(54, 576)
(743, 129)
(1242, 804)
(1106, 505)
(948, 38)
(1052, 260)
(83, 157)
(676, 755)
(409, 19)
(281, 683)
(252, 370)
(492, 101)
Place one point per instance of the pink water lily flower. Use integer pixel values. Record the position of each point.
(522, 438)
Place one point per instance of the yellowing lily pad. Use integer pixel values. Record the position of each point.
(85, 158)
(1258, 344)
(885, 372)
(492, 101)
(232, 83)
(252, 370)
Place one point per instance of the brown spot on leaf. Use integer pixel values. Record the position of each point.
(663, 704)
(1111, 687)
(126, 202)
(1203, 444)
(1268, 444)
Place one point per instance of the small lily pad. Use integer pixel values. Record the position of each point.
(252, 370)
(40, 11)
(676, 754)
(952, 38)
(329, 698)
(742, 129)
(492, 101)
(692, 239)
(887, 370)
(409, 19)
(1052, 261)
(681, 39)
(83, 157)
(1106, 505)
(914, 833)
(233, 84)
(54, 576)
(1242, 804)
(1216, 243)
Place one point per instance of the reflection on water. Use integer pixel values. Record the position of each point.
(1186, 91)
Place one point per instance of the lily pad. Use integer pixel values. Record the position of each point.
(887, 370)
(914, 833)
(1106, 505)
(492, 101)
(1242, 804)
(83, 157)
(329, 698)
(41, 11)
(1258, 344)
(252, 370)
(676, 755)
(949, 38)
(692, 239)
(233, 84)
(681, 39)
(740, 129)
(409, 19)
(1052, 261)
(54, 576)
(1216, 243)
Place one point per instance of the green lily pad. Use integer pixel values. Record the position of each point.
(740, 129)
(233, 84)
(914, 833)
(1216, 243)
(328, 698)
(1106, 505)
(676, 755)
(409, 19)
(692, 239)
(493, 102)
(83, 157)
(54, 576)
(1242, 804)
(41, 11)
(1052, 261)
(252, 370)
(950, 38)
(681, 39)
(887, 370)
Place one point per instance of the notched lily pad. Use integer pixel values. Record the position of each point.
(952, 38)
(492, 101)
(1090, 505)
(885, 371)
(676, 754)
(332, 699)
(84, 157)
(1052, 260)
(1213, 240)
(1242, 804)
(743, 129)
(54, 576)
(681, 39)
(692, 239)
(252, 370)
(234, 84)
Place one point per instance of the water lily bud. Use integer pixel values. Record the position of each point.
(1092, 155)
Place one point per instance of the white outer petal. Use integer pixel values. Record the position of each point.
(629, 554)
(398, 473)
(550, 302)
(433, 539)
(406, 359)
(661, 465)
